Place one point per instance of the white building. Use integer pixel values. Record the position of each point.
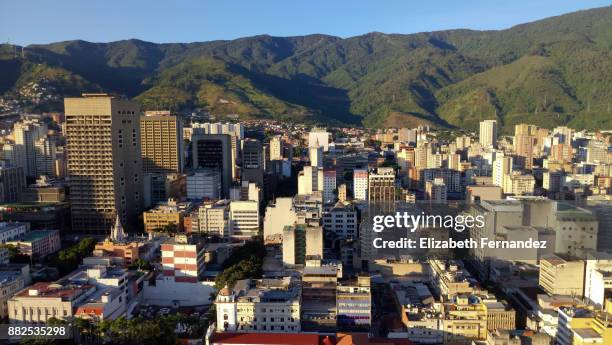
(319, 137)
(244, 219)
(265, 305)
(316, 156)
(435, 190)
(502, 166)
(488, 133)
(310, 180)
(341, 219)
(213, 218)
(329, 185)
(204, 184)
(360, 184)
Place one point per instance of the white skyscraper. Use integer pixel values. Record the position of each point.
(488, 133)
(319, 137)
(329, 185)
(27, 133)
(360, 184)
(502, 166)
(316, 156)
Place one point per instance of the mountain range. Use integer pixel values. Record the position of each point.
(556, 71)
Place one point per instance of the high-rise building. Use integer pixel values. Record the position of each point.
(214, 152)
(161, 142)
(310, 180)
(301, 242)
(360, 184)
(12, 182)
(104, 162)
(524, 146)
(381, 185)
(244, 219)
(502, 166)
(276, 148)
(488, 133)
(316, 156)
(319, 137)
(435, 190)
(26, 134)
(329, 185)
(183, 259)
(45, 154)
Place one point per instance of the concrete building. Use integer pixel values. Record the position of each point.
(310, 180)
(27, 133)
(161, 142)
(204, 184)
(265, 305)
(13, 278)
(214, 152)
(341, 219)
(598, 279)
(435, 190)
(12, 230)
(354, 304)
(12, 181)
(38, 244)
(502, 166)
(562, 275)
(319, 137)
(519, 184)
(213, 218)
(244, 219)
(360, 184)
(45, 156)
(183, 259)
(170, 213)
(329, 185)
(104, 162)
(488, 133)
(465, 319)
(301, 242)
(381, 185)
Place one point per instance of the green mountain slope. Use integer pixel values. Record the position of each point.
(552, 71)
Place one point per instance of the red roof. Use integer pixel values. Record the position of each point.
(265, 339)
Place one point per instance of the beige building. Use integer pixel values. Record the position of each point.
(465, 319)
(104, 162)
(161, 142)
(381, 185)
(42, 301)
(562, 275)
(213, 218)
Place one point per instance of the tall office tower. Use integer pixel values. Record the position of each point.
(9, 153)
(453, 161)
(319, 137)
(463, 142)
(329, 185)
(421, 155)
(27, 133)
(234, 130)
(252, 161)
(502, 166)
(276, 148)
(161, 144)
(316, 156)
(488, 133)
(214, 152)
(310, 180)
(565, 134)
(435, 190)
(360, 184)
(524, 146)
(381, 185)
(45, 154)
(525, 129)
(252, 154)
(12, 182)
(104, 162)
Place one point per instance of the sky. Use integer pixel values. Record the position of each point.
(26, 22)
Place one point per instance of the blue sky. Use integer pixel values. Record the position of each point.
(27, 21)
